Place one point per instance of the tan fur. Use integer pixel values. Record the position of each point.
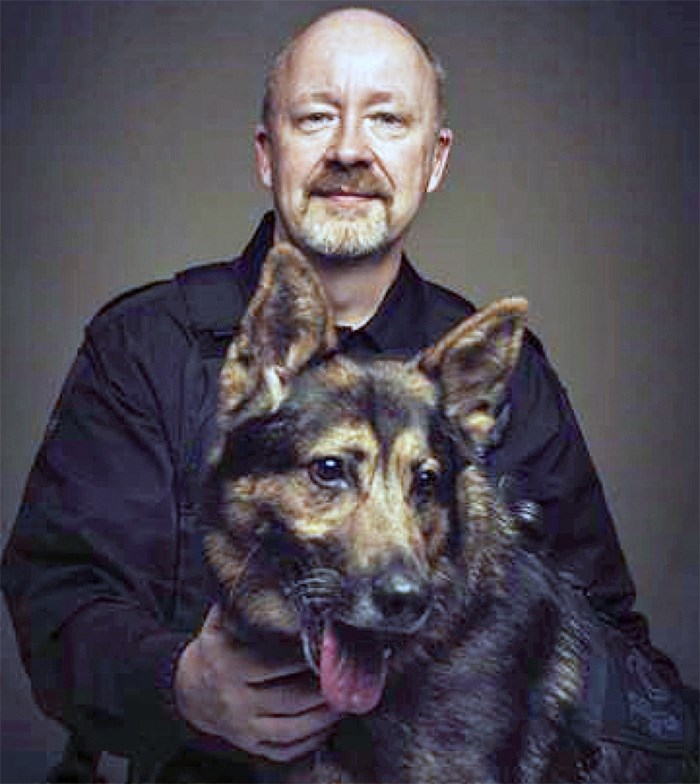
(473, 363)
(259, 363)
(376, 515)
(491, 528)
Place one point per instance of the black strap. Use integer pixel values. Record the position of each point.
(216, 300)
(216, 295)
(78, 764)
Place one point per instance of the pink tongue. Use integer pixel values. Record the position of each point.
(347, 685)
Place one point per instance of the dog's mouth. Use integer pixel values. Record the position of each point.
(349, 627)
(351, 663)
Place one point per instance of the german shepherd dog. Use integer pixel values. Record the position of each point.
(353, 518)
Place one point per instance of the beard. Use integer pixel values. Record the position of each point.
(344, 231)
(347, 232)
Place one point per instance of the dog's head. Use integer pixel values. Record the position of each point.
(340, 487)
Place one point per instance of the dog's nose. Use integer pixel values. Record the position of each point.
(402, 598)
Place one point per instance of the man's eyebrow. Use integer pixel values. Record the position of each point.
(320, 96)
(386, 96)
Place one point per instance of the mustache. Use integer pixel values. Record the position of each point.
(355, 181)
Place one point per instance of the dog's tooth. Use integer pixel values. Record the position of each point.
(308, 653)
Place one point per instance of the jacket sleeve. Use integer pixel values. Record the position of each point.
(543, 451)
(88, 572)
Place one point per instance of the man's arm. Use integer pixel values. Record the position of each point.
(89, 567)
(544, 453)
(91, 572)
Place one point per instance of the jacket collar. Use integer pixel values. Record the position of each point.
(395, 326)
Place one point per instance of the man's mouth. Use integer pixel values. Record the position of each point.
(349, 197)
(351, 187)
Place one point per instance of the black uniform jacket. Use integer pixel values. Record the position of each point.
(104, 573)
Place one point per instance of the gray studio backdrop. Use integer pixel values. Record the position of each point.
(127, 155)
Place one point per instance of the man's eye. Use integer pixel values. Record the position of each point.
(314, 120)
(389, 120)
(329, 472)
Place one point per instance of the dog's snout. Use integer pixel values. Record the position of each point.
(402, 598)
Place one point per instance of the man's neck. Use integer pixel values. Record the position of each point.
(356, 287)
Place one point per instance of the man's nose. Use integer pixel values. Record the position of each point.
(350, 146)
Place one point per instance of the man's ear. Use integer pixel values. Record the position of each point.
(443, 145)
(263, 155)
(473, 362)
(288, 323)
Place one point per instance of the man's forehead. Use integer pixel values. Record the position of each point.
(357, 27)
(332, 93)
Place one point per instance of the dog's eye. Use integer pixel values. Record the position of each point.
(329, 472)
(425, 483)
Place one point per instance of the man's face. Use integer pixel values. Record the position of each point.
(352, 146)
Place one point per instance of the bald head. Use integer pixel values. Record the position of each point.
(352, 141)
(344, 24)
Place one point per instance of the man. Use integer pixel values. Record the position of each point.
(114, 609)
(351, 142)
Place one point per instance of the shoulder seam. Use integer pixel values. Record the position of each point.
(162, 290)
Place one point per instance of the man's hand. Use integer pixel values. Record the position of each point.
(222, 689)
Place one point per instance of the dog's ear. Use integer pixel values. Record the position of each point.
(287, 324)
(473, 362)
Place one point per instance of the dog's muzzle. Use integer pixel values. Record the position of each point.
(349, 626)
